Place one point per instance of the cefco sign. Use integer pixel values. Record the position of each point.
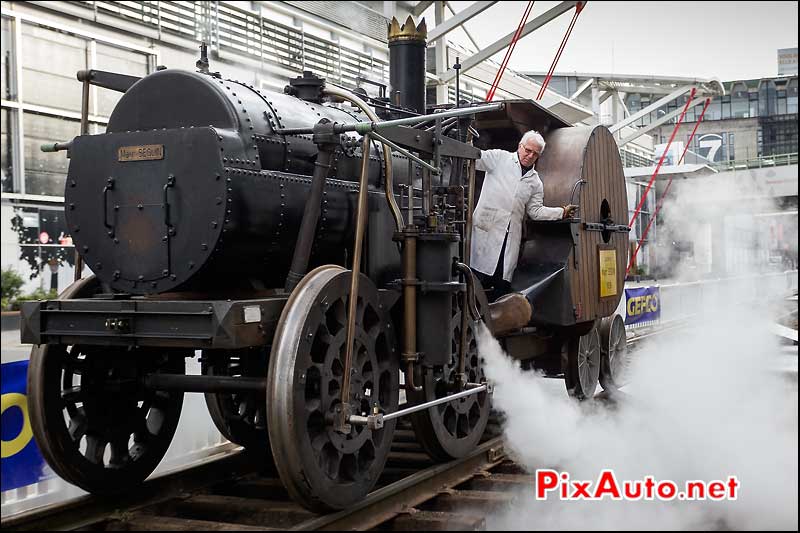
(787, 61)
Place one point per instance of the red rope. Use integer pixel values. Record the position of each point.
(509, 51)
(689, 142)
(663, 155)
(669, 183)
(578, 8)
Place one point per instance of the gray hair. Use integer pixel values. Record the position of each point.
(536, 136)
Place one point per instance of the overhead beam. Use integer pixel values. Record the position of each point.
(457, 20)
(652, 107)
(469, 35)
(622, 103)
(666, 118)
(501, 43)
(639, 88)
(420, 8)
(588, 83)
(440, 49)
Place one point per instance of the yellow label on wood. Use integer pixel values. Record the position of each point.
(145, 152)
(608, 273)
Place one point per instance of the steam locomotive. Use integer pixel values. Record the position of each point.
(313, 245)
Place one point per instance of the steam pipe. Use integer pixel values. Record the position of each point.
(344, 94)
(367, 127)
(308, 224)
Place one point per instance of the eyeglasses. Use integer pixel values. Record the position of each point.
(529, 151)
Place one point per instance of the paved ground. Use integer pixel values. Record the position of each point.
(12, 349)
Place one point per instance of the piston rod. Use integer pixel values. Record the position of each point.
(376, 421)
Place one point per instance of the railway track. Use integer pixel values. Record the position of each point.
(247, 495)
(412, 493)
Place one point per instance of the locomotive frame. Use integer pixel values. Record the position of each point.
(292, 361)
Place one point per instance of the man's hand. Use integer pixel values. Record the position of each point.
(569, 210)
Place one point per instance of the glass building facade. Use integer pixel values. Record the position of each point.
(770, 104)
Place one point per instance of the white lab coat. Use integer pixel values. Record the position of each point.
(505, 198)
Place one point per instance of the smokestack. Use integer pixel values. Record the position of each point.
(407, 64)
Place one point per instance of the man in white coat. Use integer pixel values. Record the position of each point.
(511, 188)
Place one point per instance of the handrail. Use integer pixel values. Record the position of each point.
(774, 160)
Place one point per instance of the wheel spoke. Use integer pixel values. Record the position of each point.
(78, 425)
(95, 449)
(119, 452)
(71, 395)
(155, 420)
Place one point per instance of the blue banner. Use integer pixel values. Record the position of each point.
(642, 305)
(22, 463)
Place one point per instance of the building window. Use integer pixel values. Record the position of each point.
(714, 111)
(5, 68)
(753, 112)
(44, 173)
(47, 82)
(726, 107)
(791, 97)
(781, 102)
(767, 101)
(6, 149)
(739, 100)
(47, 97)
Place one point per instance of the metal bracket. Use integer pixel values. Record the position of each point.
(119, 325)
(604, 226)
(573, 231)
(496, 454)
(424, 142)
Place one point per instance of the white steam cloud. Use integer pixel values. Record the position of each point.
(703, 403)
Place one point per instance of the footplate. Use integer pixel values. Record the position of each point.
(222, 324)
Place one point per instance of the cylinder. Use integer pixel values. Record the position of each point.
(435, 253)
(407, 64)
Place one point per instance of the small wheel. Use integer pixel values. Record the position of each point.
(582, 365)
(321, 468)
(613, 353)
(95, 426)
(241, 417)
(452, 430)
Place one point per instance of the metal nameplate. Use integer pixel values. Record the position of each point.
(608, 273)
(252, 313)
(144, 152)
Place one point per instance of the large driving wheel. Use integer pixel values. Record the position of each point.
(241, 417)
(613, 353)
(452, 430)
(93, 422)
(582, 365)
(322, 468)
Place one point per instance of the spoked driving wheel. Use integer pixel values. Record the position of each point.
(241, 417)
(451, 430)
(582, 365)
(95, 424)
(322, 468)
(614, 353)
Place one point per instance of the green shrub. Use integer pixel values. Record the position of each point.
(38, 294)
(11, 286)
(12, 289)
